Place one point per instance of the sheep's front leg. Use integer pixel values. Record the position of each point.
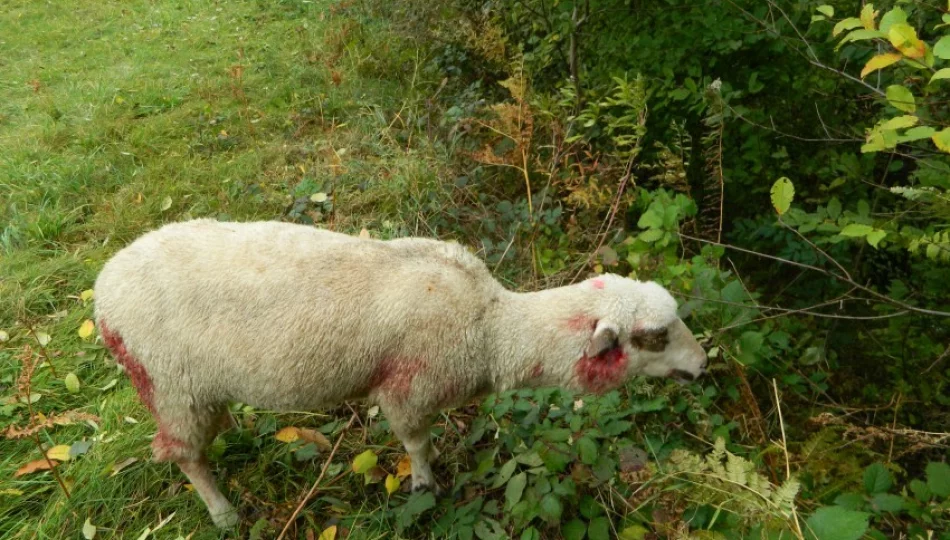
(415, 437)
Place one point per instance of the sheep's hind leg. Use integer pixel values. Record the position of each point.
(415, 437)
(182, 438)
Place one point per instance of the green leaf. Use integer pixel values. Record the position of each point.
(834, 208)
(861, 35)
(887, 502)
(418, 503)
(599, 529)
(836, 523)
(782, 194)
(850, 500)
(941, 74)
(900, 122)
(892, 17)
(847, 24)
(364, 462)
(515, 489)
(874, 238)
(938, 478)
(864, 209)
(72, 383)
(917, 133)
(634, 532)
(650, 220)
(901, 98)
(588, 450)
(942, 139)
(574, 529)
(530, 534)
(551, 508)
(826, 10)
(651, 235)
(920, 490)
(942, 48)
(504, 474)
(877, 479)
(749, 344)
(856, 230)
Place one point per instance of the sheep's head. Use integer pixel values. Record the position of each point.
(635, 332)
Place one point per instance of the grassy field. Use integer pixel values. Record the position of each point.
(116, 117)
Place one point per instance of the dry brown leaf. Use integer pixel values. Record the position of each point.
(404, 467)
(33, 466)
(316, 438)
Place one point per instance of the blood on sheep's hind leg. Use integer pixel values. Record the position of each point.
(199, 473)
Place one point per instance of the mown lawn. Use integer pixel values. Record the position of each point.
(118, 116)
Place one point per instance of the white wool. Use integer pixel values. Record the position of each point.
(289, 317)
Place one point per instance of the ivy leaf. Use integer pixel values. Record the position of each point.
(942, 139)
(901, 98)
(877, 479)
(938, 478)
(904, 38)
(515, 489)
(782, 194)
(880, 61)
(836, 523)
(846, 24)
(364, 462)
(942, 48)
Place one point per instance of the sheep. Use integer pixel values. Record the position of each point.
(290, 317)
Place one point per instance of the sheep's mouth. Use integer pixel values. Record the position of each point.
(681, 376)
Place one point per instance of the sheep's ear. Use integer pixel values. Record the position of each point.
(603, 339)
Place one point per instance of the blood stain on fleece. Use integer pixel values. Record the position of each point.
(602, 372)
(136, 371)
(598, 283)
(165, 447)
(581, 323)
(394, 376)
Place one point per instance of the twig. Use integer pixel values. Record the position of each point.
(788, 468)
(897, 406)
(323, 471)
(872, 292)
(815, 247)
(610, 218)
(939, 358)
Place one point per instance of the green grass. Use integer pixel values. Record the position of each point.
(116, 117)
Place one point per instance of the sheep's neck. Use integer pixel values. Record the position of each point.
(535, 338)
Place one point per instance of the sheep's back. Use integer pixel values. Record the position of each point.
(286, 316)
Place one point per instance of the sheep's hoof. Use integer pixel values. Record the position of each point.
(433, 487)
(226, 520)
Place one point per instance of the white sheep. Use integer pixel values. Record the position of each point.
(290, 317)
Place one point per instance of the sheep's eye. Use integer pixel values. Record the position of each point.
(655, 341)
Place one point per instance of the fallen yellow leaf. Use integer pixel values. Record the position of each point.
(392, 484)
(59, 452)
(86, 329)
(288, 434)
(86, 295)
(328, 534)
(404, 467)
